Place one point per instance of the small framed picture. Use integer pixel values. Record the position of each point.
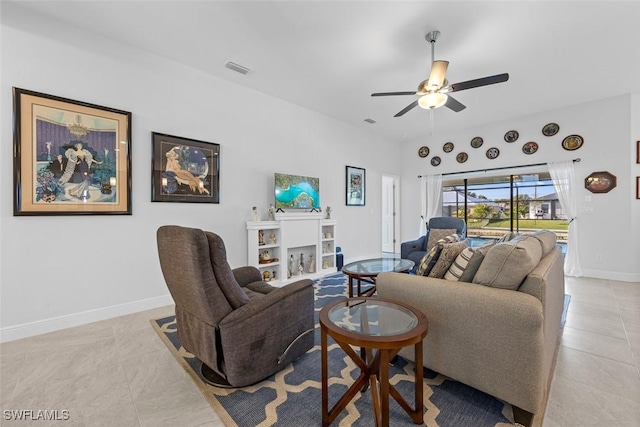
(184, 170)
(638, 152)
(638, 187)
(356, 186)
(70, 157)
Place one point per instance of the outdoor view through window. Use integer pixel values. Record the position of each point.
(499, 204)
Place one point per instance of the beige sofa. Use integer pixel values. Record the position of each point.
(499, 341)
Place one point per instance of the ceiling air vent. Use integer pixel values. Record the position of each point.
(370, 121)
(237, 67)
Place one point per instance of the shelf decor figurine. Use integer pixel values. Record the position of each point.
(312, 264)
(260, 237)
(292, 264)
(328, 212)
(272, 213)
(256, 217)
(272, 238)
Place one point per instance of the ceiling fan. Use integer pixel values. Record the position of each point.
(433, 92)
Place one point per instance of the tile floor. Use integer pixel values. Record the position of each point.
(118, 372)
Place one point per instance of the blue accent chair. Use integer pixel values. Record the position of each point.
(416, 249)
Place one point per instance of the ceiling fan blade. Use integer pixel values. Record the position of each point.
(470, 84)
(437, 75)
(411, 106)
(393, 93)
(454, 104)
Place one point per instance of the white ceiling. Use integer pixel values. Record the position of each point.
(329, 56)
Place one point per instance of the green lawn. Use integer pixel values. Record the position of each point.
(543, 224)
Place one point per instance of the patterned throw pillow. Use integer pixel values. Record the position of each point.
(448, 255)
(457, 268)
(436, 234)
(467, 263)
(428, 260)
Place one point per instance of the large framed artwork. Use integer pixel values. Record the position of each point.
(184, 170)
(356, 186)
(70, 157)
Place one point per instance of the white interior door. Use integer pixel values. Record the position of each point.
(389, 214)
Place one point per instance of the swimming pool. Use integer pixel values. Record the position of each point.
(479, 241)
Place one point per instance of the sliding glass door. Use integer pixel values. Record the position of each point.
(495, 205)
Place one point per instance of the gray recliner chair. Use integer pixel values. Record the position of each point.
(416, 249)
(241, 328)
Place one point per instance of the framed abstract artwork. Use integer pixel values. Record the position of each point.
(70, 157)
(184, 170)
(356, 186)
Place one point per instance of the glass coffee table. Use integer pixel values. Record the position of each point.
(373, 324)
(366, 271)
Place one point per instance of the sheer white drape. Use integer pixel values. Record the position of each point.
(563, 176)
(431, 192)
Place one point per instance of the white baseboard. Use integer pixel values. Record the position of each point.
(38, 327)
(611, 275)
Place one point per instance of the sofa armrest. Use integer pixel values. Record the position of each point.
(488, 338)
(246, 275)
(414, 245)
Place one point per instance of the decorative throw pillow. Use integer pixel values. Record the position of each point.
(459, 265)
(507, 264)
(436, 234)
(448, 255)
(428, 260)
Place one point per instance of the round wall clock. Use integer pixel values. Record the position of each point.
(423, 151)
(462, 157)
(492, 153)
(550, 129)
(448, 147)
(530, 147)
(476, 142)
(572, 142)
(511, 136)
(435, 161)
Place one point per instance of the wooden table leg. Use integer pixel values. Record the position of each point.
(419, 414)
(325, 377)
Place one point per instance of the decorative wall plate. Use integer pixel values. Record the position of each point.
(530, 147)
(423, 151)
(511, 136)
(462, 157)
(435, 161)
(572, 142)
(448, 147)
(476, 142)
(550, 129)
(492, 153)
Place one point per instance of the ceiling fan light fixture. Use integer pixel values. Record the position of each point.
(432, 100)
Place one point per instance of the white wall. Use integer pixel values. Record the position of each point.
(64, 270)
(609, 237)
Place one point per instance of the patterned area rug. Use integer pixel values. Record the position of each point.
(292, 397)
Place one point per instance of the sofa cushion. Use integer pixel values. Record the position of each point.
(467, 263)
(507, 237)
(436, 234)
(428, 261)
(448, 255)
(548, 240)
(507, 264)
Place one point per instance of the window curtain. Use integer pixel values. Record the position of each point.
(563, 176)
(431, 192)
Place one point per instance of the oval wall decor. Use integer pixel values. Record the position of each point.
(435, 161)
(550, 129)
(423, 151)
(477, 142)
(511, 136)
(492, 153)
(448, 147)
(572, 142)
(462, 157)
(530, 147)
